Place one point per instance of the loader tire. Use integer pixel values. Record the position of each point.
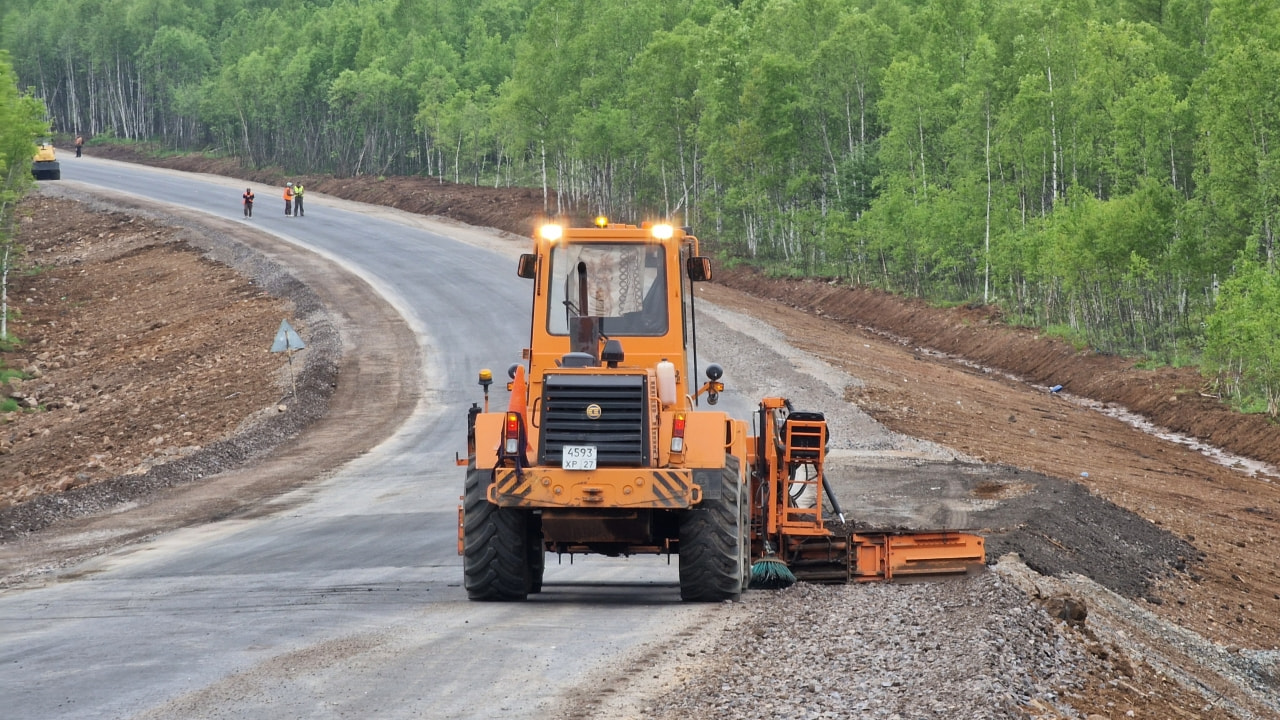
(495, 544)
(713, 559)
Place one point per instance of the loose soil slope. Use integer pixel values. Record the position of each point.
(138, 350)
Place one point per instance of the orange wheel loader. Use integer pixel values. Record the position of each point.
(608, 443)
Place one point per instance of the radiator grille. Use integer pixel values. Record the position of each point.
(619, 434)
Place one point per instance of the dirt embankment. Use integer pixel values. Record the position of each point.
(124, 339)
(1172, 398)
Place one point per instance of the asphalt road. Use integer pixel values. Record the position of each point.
(347, 601)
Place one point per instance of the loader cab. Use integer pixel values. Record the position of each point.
(610, 296)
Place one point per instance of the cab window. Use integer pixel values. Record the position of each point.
(621, 286)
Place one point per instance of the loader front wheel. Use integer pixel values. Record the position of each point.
(713, 562)
(495, 544)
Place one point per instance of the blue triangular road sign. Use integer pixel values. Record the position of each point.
(287, 338)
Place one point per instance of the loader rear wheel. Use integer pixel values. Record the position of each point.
(713, 559)
(495, 544)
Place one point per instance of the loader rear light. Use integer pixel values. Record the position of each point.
(511, 434)
(677, 433)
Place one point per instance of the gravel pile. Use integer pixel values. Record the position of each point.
(967, 648)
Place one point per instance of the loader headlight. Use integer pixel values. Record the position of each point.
(551, 232)
(663, 231)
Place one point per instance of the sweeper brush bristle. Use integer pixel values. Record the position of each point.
(771, 574)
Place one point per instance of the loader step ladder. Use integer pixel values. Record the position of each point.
(791, 454)
(804, 452)
(816, 555)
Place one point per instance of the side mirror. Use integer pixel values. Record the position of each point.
(528, 267)
(698, 268)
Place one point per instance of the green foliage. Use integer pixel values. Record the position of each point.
(1242, 337)
(1240, 116)
(21, 123)
(1172, 358)
(1068, 334)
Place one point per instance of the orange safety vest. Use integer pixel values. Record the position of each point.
(288, 193)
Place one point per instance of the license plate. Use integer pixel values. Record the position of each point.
(578, 457)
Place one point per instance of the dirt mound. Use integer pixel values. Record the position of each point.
(1172, 398)
(127, 378)
(146, 350)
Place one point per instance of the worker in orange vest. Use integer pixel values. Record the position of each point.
(288, 199)
(248, 202)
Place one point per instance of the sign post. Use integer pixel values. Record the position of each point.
(287, 340)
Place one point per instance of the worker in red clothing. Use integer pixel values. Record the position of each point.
(248, 202)
(288, 199)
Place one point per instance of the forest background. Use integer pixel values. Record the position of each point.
(1106, 170)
